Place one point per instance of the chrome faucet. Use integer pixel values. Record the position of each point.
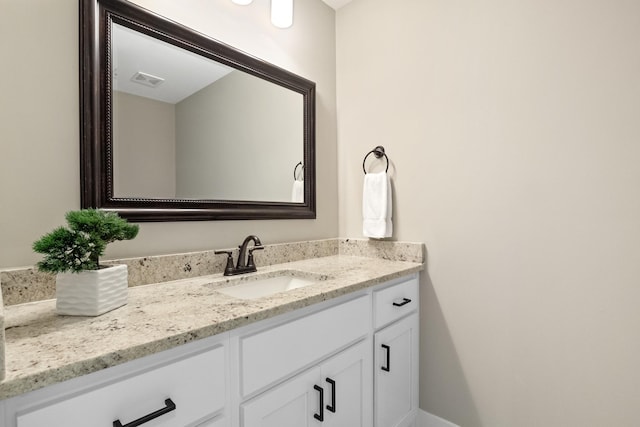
(242, 266)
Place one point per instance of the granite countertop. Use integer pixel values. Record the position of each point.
(43, 348)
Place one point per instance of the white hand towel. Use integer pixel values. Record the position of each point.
(297, 192)
(376, 206)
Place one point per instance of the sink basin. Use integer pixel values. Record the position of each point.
(259, 287)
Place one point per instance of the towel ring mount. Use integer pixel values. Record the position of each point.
(378, 152)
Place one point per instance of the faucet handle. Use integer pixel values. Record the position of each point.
(250, 262)
(228, 269)
(229, 254)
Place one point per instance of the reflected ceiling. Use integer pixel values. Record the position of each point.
(182, 73)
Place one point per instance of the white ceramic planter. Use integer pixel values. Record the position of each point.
(91, 293)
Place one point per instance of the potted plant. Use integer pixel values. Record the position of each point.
(83, 286)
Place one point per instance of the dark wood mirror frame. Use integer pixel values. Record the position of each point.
(96, 148)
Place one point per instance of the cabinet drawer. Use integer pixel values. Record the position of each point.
(275, 353)
(196, 384)
(394, 302)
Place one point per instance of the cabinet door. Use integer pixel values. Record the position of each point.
(396, 372)
(335, 394)
(347, 382)
(291, 404)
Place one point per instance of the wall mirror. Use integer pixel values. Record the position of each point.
(178, 126)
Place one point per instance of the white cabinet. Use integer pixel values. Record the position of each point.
(394, 302)
(396, 355)
(270, 354)
(396, 372)
(336, 393)
(167, 390)
(380, 373)
(348, 362)
(291, 404)
(315, 369)
(348, 385)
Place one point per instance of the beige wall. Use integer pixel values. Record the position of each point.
(244, 135)
(39, 172)
(144, 147)
(512, 128)
(514, 131)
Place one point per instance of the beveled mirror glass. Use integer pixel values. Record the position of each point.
(178, 126)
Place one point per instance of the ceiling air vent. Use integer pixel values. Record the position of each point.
(147, 79)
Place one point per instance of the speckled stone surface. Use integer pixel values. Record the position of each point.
(393, 251)
(2, 341)
(43, 348)
(22, 285)
(156, 269)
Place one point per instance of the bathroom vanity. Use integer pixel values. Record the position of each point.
(340, 351)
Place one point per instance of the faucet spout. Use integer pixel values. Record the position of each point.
(242, 256)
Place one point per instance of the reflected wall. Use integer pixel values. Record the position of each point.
(190, 150)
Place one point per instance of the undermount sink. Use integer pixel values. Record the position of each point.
(258, 287)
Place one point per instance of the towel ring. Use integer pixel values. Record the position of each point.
(295, 169)
(378, 152)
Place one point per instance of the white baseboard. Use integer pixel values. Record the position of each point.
(426, 419)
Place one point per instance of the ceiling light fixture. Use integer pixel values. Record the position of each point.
(242, 2)
(282, 13)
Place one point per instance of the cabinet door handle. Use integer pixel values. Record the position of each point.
(332, 407)
(388, 367)
(405, 301)
(320, 416)
(169, 406)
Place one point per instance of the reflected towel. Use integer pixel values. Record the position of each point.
(376, 206)
(297, 192)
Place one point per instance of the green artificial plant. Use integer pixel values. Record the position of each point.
(79, 247)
